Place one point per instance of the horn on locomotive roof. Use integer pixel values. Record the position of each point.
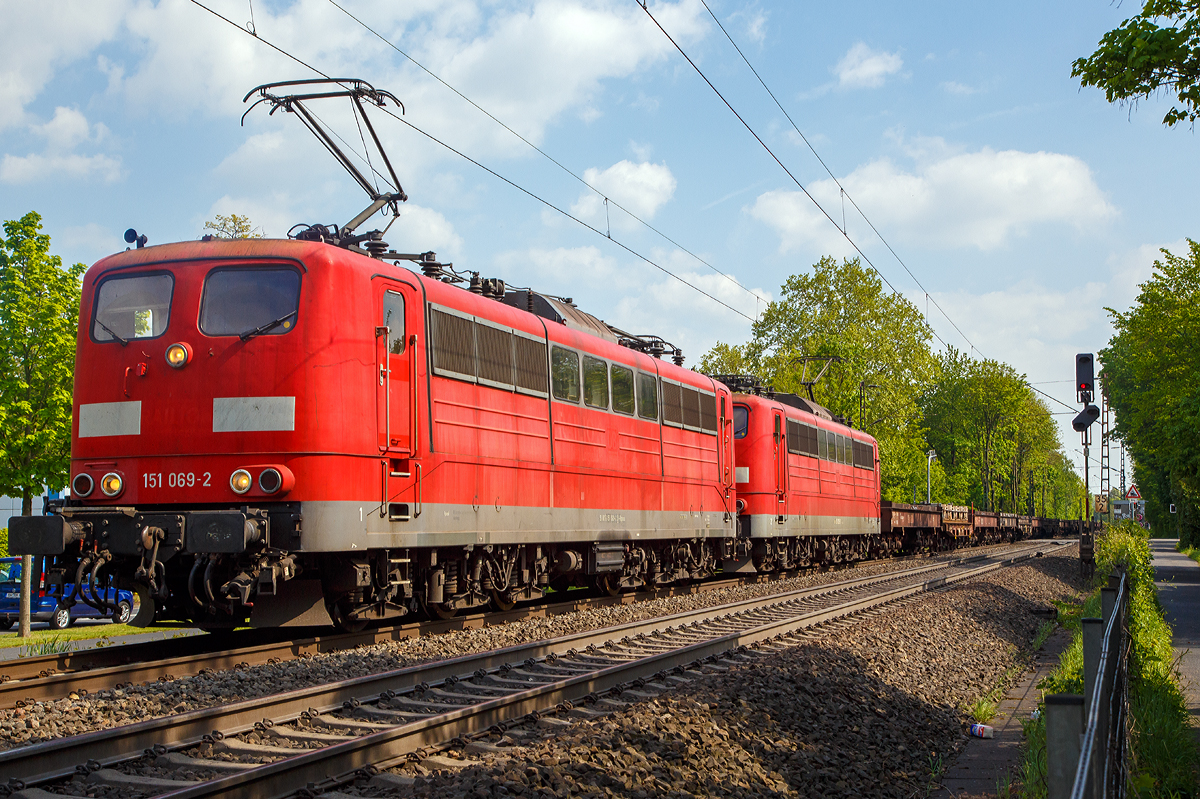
(358, 91)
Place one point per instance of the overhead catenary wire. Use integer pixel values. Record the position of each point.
(490, 171)
(645, 7)
(844, 193)
(607, 200)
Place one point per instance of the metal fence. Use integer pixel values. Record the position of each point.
(1086, 735)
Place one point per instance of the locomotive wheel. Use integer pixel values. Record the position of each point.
(503, 600)
(609, 583)
(345, 622)
(442, 611)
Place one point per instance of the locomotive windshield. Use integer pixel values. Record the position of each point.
(245, 302)
(133, 306)
(741, 421)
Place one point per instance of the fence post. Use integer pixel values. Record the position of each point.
(1093, 641)
(1064, 727)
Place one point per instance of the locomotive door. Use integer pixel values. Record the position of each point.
(781, 465)
(395, 366)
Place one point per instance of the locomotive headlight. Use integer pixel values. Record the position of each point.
(178, 355)
(240, 481)
(111, 484)
(83, 485)
(270, 481)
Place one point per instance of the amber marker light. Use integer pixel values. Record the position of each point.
(178, 355)
(111, 484)
(240, 481)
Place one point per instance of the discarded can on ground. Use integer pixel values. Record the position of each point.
(982, 731)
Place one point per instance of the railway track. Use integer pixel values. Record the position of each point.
(24, 681)
(274, 746)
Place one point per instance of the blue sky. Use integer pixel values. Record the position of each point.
(1023, 203)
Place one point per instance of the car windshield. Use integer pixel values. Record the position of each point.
(132, 306)
(240, 301)
(10, 571)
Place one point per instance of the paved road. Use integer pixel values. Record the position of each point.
(1178, 579)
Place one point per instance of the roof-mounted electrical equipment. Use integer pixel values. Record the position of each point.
(360, 94)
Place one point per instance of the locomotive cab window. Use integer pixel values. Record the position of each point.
(564, 374)
(741, 421)
(255, 301)
(133, 306)
(595, 382)
(393, 318)
(647, 396)
(622, 389)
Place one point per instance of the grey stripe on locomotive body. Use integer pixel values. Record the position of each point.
(347, 526)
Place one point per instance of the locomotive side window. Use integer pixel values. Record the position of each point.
(841, 449)
(137, 306)
(622, 389)
(822, 444)
(564, 374)
(647, 396)
(244, 302)
(595, 383)
(393, 317)
(741, 421)
(795, 437)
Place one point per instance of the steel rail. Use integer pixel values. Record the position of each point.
(58, 758)
(315, 766)
(35, 679)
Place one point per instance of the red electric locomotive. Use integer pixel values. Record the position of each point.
(275, 430)
(807, 485)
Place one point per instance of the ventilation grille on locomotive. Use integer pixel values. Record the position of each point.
(453, 345)
(672, 400)
(532, 377)
(495, 356)
(708, 413)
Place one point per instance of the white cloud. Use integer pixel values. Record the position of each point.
(641, 188)
(954, 87)
(66, 131)
(422, 229)
(981, 200)
(864, 68)
(37, 39)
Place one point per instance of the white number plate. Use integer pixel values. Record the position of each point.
(176, 479)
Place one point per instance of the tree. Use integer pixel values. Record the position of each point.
(233, 226)
(841, 309)
(39, 317)
(1152, 375)
(1142, 57)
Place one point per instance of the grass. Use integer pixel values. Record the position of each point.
(1191, 552)
(1045, 630)
(1163, 756)
(983, 710)
(81, 632)
(49, 646)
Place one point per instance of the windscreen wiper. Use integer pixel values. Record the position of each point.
(267, 328)
(110, 332)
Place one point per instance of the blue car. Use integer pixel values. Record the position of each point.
(46, 606)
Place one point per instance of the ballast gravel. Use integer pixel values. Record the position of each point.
(872, 709)
(75, 715)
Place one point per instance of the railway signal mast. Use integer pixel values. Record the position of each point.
(1085, 388)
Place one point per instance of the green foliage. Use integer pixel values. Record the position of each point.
(39, 316)
(3, 542)
(50, 646)
(233, 226)
(1152, 375)
(1164, 756)
(841, 309)
(995, 440)
(1156, 50)
(982, 710)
